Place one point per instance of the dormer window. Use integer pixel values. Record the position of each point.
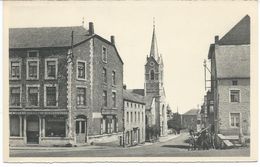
(33, 54)
(234, 82)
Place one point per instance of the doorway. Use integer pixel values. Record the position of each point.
(81, 129)
(32, 131)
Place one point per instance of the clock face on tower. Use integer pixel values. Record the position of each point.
(152, 64)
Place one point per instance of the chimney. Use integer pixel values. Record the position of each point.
(124, 86)
(216, 39)
(91, 28)
(112, 39)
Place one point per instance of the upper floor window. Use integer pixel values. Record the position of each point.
(104, 54)
(104, 98)
(32, 69)
(114, 98)
(131, 120)
(113, 77)
(81, 70)
(235, 96)
(32, 96)
(81, 96)
(15, 71)
(51, 95)
(33, 53)
(51, 68)
(127, 117)
(234, 82)
(15, 96)
(152, 75)
(104, 72)
(235, 120)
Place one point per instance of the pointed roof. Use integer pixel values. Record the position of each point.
(154, 48)
(239, 34)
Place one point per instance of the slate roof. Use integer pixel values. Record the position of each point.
(137, 91)
(233, 61)
(128, 95)
(46, 36)
(239, 34)
(192, 112)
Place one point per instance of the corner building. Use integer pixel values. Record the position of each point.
(66, 86)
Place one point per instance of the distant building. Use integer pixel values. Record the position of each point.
(64, 87)
(230, 80)
(154, 92)
(134, 118)
(189, 119)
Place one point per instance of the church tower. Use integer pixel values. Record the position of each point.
(154, 70)
(154, 88)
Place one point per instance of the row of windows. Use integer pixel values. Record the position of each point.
(50, 96)
(128, 104)
(51, 68)
(104, 74)
(134, 117)
(104, 95)
(33, 96)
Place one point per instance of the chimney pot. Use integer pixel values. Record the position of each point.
(91, 28)
(216, 39)
(112, 39)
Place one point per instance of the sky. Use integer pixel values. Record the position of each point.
(184, 31)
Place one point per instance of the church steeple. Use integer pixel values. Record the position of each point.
(154, 48)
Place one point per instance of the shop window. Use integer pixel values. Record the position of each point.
(55, 126)
(14, 126)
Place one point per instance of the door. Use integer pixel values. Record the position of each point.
(32, 131)
(81, 131)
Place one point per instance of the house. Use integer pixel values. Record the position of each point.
(189, 119)
(134, 118)
(230, 80)
(66, 86)
(154, 92)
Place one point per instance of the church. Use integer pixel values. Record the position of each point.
(154, 92)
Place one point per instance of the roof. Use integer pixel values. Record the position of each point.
(192, 112)
(233, 61)
(137, 91)
(154, 48)
(239, 34)
(128, 95)
(46, 36)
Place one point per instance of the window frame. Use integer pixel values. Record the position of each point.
(230, 120)
(240, 99)
(85, 63)
(86, 104)
(27, 95)
(46, 68)
(114, 103)
(104, 75)
(27, 68)
(29, 51)
(104, 92)
(234, 81)
(152, 77)
(10, 68)
(113, 77)
(45, 95)
(16, 86)
(104, 60)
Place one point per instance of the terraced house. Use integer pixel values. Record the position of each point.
(66, 86)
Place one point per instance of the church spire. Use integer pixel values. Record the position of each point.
(154, 47)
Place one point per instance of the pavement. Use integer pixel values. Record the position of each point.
(108, 145)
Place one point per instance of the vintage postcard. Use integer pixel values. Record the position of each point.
(130, 81)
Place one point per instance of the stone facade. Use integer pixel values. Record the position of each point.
(77, 114)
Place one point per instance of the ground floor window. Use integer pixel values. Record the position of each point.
(109, 124)
(55, 126)
(14, 125)
(235, 120)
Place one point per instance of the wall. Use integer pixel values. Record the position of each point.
(226, 107)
